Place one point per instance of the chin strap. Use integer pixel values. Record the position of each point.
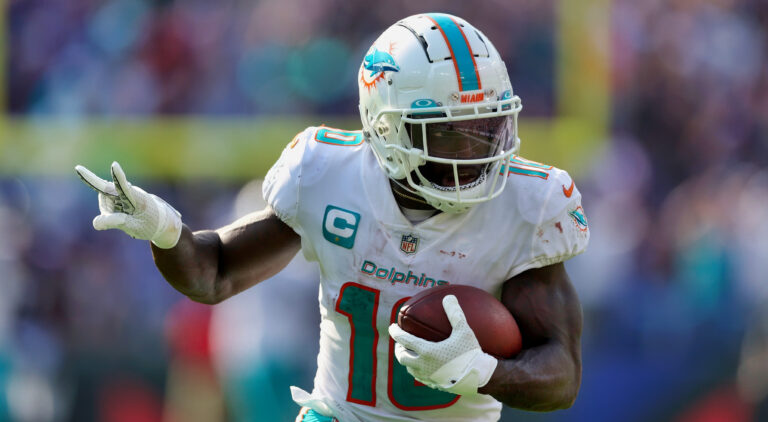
(405, 192)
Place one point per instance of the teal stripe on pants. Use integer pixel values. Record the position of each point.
(312, 416)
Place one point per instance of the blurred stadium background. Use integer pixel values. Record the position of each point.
(659, 108)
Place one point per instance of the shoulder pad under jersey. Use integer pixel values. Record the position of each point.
(306, 158)
(542, 191)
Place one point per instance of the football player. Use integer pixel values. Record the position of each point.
(429, 192)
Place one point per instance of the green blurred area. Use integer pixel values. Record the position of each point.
(222, 149)
(166, 148)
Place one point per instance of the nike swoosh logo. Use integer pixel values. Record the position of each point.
(568, 192)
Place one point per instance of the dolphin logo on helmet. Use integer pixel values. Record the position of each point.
(380, 61)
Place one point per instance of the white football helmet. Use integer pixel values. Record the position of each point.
(438, 109)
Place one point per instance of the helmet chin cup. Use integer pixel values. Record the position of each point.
(402, 81)
(449, 199)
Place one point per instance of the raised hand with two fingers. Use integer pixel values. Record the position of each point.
(132, 210)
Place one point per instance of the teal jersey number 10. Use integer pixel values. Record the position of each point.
(360, 305)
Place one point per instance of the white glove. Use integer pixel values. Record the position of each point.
(456, 365)
(130, 209)
(323, 405)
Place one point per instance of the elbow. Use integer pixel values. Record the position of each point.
(213, 295)
(206, 300)
(561, 400)
(562, 395)
(569, 387)
(567, 400)
(567, 395)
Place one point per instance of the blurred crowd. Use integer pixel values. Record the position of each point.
(674, 280)
(673, 283)
(148, 57)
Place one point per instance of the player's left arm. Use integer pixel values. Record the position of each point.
(546, 374)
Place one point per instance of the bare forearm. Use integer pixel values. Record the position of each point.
(541, 379)
(546, 375)
(210, 266)
(191, 267)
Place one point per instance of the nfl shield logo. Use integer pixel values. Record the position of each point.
(408, 243)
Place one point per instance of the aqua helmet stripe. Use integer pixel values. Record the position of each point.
(461, 53)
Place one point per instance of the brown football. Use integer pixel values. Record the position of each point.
(496, 330)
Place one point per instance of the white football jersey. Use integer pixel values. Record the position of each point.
(329, 188)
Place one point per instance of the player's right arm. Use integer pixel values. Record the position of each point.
(211, 265)
(207, 266)
(546, 375)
